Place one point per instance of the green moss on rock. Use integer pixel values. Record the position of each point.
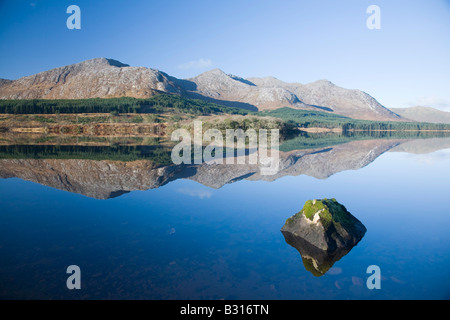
(311, 207)
(330, 211)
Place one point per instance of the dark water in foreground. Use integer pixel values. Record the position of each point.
(185, 240)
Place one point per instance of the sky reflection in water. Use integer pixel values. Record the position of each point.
(187, 241)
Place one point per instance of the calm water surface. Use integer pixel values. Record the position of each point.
(188, 241)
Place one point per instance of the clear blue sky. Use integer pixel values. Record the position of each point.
(406, 62)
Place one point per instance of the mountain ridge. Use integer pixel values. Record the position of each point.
(109, 78)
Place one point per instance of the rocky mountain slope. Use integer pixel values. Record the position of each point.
(424, 114)
(325, 95)
(218, 87)
(96, 78)
(107, 78)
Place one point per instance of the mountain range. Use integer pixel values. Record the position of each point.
(423, 114)
(107, 78)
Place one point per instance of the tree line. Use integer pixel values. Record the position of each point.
(158, 104)
(158, 154)
(319, 119)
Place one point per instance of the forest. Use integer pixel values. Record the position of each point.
(158, 104)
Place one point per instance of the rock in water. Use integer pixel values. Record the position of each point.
(323, 232)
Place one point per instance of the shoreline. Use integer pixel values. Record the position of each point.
(339, 130)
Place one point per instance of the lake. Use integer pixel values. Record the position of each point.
(143, 231)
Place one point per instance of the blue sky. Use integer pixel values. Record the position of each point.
(404, 63)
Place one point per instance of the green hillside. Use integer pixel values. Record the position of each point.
(318, 119)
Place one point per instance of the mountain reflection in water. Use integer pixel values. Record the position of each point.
(101, 172)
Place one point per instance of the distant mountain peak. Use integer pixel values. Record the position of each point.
(324, 82)
(104, 61)
(212, 75)
(216, 71)
(423, 114)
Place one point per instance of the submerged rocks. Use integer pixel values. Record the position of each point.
(323, 232)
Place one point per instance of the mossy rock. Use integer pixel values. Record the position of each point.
(323, 231)
(330, 212)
